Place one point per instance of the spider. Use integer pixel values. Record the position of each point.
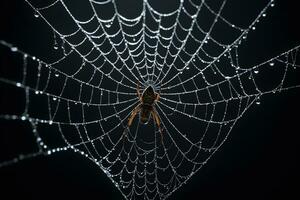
(146, 107)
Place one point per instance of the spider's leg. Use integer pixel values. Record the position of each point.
(133, 114)
(131, 117)
(157, 97)
(157, 121)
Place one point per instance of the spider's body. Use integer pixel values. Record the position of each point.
(146, 107)
(147, 102)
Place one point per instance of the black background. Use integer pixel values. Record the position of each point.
(258, 161)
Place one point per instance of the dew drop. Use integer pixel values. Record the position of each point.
(56, 75)
(36, 14)
(54, 98)
(257, 101)
(264, 14)
(50, 122)
(256, 71)
(271, 64)
(55, 46)
(14, 49)
(18, 84)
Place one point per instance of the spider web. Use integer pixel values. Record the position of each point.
(87, 93)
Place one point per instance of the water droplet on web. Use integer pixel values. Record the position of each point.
(194, 16)
(54, 98)
(272, 4)
(256, 71)
(18, 84)
(108, 25)
(253, 28)
(14, 49)
(271, 64)
(257, 101)
(264, 14)
(55, 46)
(36, 92)
(36, 14)
(56, 75)
(50, 122)
(134, 39)
(23, 117)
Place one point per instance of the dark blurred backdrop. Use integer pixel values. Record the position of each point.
(258, 161)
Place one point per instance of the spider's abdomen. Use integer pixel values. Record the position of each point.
(145, 113)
